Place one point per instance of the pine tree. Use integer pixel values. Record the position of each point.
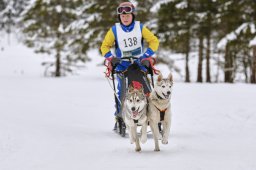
(176, 19)
(2, 7)
(79, 44)
(47, 29)
(101, 15)
(236, 20)
(205, 10)
(10, 14)
(144, 14)
(229, 17)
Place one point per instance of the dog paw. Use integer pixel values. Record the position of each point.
(165, 141)
(143, 139)
(156, 149)
(138, 149)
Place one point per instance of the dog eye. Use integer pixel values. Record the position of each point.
(138, 100)
(163, 86)
(130, 101)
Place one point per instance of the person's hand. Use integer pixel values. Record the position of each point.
(145, 63)
(114, 60)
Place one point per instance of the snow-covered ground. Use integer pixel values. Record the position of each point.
(66, 123)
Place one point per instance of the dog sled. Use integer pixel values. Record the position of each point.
(131, 74)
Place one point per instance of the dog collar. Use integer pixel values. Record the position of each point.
(159, 97)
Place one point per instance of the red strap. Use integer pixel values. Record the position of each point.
(152, 62)
(136, 85)
(109, 68)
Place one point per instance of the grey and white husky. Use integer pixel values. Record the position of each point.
(160, 109)
(134, 113)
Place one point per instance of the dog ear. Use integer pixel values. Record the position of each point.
(130, 89)
(160, 77)
(170, 77)
(141, 89)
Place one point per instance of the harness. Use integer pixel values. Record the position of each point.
(162, 112)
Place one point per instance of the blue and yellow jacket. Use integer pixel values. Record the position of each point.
(111, 37)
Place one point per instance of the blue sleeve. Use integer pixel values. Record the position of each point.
(149, 52)
(141, 27)
(108, 54)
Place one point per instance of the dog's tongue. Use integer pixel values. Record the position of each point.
(134, 114)
(166, 96)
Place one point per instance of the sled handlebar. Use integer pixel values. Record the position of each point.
(130, 59)
(135, 58)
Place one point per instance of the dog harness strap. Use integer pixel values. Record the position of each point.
(162, 113)
(159, 97)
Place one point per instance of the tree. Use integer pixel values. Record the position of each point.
(204, 28)
(101, 15)
(2, 7)
(10, 13)
(47, 29)
(175, 22)
(235, 30)
(253, 65)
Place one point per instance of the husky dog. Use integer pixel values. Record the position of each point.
(160, 109)
(134, 113)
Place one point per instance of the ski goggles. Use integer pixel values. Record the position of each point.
(124, 10)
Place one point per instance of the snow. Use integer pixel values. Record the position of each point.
(134, 2)
(252, 42)
(58, 8)
(182, 5)
(233, 35)
(66, 123)
(157, 5)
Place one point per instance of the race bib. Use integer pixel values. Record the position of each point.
(130, 42)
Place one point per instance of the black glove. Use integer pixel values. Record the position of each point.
(145, 63)
(115, 61)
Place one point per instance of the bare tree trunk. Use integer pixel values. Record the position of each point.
(208, 53)
(233, 66)
(58, 72)
(253, 75)
(245, 64)
(218, 69)
(187, 76)
(187, 68)
(200, 60)
(58, 50)
(227, 65)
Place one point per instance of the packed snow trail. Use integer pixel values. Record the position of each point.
(66, 123)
